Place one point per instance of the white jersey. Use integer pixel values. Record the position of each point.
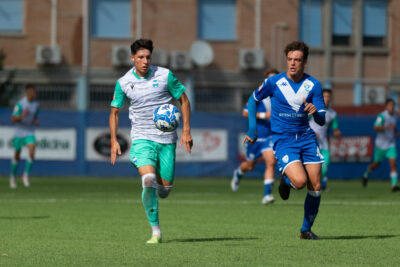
(26, 126)
(386, 138)
(145, 94)
(322, 131)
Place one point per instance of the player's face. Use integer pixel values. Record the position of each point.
(390, 107)
(296, 64)
(327, 98)
(142, 60)
(30, 94)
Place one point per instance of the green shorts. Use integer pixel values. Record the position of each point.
(327, 158)
(380, 154)
(161, 156)
(19, 142)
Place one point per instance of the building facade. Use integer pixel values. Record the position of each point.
(354, 46)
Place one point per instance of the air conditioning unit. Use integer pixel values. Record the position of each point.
(374, 95)
(120, 56)
(159, 57)
(48, 54)
(180, 60)
(251, 59)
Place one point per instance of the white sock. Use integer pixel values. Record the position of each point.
(156, 230)
(239, 170)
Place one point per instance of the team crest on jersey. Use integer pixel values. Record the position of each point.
(307, 86)
(132, 85)
(155, 83)
(285, 159)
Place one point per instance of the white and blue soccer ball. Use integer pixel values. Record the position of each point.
(167, 117)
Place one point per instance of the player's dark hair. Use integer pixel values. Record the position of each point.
(141, 44)
(29, 86)
(269, 71)
(327, 90)
(297, 46)
(388, 100)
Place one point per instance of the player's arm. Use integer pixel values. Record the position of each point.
(379, 123)
(177, 90)
(335, 127)
(262, 92)
(36, 117)
(316, 107)
(186, 138)
(17, 114)
(113, 124)
(116, 104)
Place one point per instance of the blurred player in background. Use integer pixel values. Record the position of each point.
(262, 147)
(385, 144)
(25, 117)
(294, 96)
(153, 151)
(331, 122)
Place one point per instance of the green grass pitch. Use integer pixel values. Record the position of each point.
(101, 222)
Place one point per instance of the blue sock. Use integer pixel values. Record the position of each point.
(268, 186)
(311, 205)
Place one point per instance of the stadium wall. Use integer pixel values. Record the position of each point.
(76, 143)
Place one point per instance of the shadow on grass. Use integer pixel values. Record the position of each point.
(349, 237)
(211, 239)
(23, 217)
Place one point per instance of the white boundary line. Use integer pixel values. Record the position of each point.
(192, 202)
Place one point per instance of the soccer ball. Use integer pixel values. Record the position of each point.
(167, 117)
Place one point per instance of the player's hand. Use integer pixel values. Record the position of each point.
(115, 149)
(36, 122)
(309, 107)
(248, 139)
(187, 141)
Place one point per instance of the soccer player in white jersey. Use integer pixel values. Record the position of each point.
(153, 152)
(385, 144)
(261, 148)
(25, 117)
(331, 122)
(294, 96)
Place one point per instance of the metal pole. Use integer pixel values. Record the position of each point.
(138, 19)
(53, 32)
(83, 82)
(257, 35)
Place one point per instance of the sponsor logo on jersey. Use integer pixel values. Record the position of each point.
(155, 84)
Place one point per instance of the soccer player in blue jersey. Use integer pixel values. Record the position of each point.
(262, 147)
(294, 96)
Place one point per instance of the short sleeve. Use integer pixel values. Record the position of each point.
(335, 123)
(379, 120)
(174, 86)
(263, 91)
(119, 97)
(17, 110)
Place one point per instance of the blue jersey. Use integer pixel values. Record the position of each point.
(287, 113)
(263, 125)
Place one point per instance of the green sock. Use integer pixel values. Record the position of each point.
(393, 177)
(150, 203)
(324, 170)
(366, 173)
(14, 166)
(28, 167)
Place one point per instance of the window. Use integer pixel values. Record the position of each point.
(342, 22)
(310, 24)
(11, 16)
(111, 18)
(374, 22)
(217, 20)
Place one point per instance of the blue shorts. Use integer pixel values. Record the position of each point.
(255, 150)
(303, 147)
